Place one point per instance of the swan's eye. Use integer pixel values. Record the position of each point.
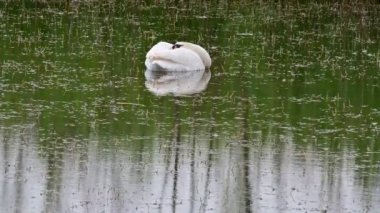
(175, 46)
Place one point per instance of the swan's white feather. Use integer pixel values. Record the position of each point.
(163, 57)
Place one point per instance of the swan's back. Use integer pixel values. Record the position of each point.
(202, 53)
(184, 57)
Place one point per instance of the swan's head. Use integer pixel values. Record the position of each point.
(203, 54)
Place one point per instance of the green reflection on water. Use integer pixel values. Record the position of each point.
(307, 73)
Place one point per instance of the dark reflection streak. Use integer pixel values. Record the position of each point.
(168, 155)
(54, 167)
(279, 157)
(6, 157)
(192, 164)
(83, 162)
(245, 105)
(177, 132)
(19, 177)
(165, 179)
(167, 165)
(334, 179)
(246, 157)
(246, 146)
(166, 151)
(116, 181)
(209, 165)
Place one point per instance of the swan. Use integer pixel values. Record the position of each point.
(181, 56)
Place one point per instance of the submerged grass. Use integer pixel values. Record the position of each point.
(290, 59)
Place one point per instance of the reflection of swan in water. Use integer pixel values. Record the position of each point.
(181, 56)
(179, 83)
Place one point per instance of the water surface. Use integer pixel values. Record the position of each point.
(286, 120)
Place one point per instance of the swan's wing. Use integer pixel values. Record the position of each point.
(173, 59)
(160, 46)
(202, 53)
(150, 61)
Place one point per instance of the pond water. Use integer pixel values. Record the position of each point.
(286, 120)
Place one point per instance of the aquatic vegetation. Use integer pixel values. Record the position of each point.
(289, 119)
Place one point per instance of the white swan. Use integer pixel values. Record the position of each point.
(181, 56)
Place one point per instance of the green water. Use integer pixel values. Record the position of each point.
(289, 121)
